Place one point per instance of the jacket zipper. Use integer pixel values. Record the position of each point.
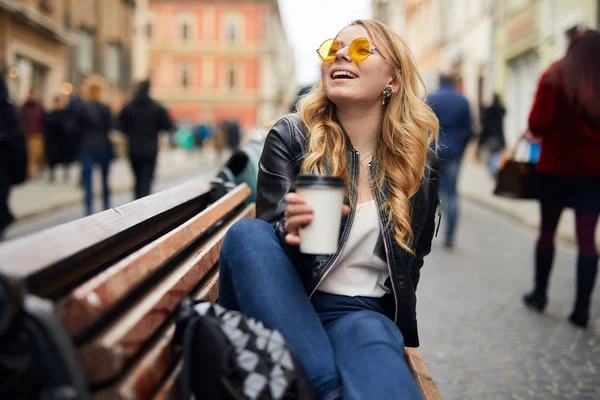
(387, 255)
(439, 213)
(328, 268)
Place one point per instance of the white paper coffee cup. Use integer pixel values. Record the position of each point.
(325, 194)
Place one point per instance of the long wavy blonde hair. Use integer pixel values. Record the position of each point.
(408, 127)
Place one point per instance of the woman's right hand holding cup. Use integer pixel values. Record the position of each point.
(297, 214)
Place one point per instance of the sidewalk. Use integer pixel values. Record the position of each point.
(37, 196)
(477, 185)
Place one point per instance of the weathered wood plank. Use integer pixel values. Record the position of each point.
(56, 257)
(143, 378)
(169, 389)
(93, 299)
(421, 373)
(106, 355)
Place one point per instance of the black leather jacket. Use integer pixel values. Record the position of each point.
(280, 164)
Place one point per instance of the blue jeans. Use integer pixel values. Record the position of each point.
(347, 347)
(450, 169)
(89, 158)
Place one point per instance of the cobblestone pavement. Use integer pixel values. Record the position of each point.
(477, 338)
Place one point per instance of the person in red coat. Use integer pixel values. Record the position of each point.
(566, 119)
(32, 117)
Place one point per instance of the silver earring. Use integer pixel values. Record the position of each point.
(387, 94)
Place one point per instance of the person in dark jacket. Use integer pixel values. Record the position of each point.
(56, 139)
(73, 114)
(234, 134)
(347, 315)
(492, 134)
(32, 116)
(10, 131)
(142, 120)
(95, 123)
(453, 112)
(566, 118)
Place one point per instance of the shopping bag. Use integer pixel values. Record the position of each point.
(517, 180)
(517, 177)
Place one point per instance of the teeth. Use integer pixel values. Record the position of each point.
(348, 74)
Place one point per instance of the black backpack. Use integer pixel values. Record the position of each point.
(229, 356)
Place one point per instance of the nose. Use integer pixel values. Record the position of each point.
(342, 54)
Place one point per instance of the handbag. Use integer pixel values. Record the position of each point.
(229, 356)
(518, 178)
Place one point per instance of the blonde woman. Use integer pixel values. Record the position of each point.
(347, 316)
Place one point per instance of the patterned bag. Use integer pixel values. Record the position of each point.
(227, 355)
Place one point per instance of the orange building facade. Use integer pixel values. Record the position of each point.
(216, 60)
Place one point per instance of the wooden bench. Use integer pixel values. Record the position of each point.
(106, 286)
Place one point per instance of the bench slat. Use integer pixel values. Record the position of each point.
(140, 382)
(169, 389)
(93, 299)
(421, 373)
(57, 257)
(106, 355)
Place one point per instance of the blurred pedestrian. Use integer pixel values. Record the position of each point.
(74, 114)
(13, 154)
(233, 133)
(452, 110)
(56, 139)
(32, 117)
(201, 133)
(491, 139)
(566, 118)
(220, 142)
(96, 148)
(142, 120)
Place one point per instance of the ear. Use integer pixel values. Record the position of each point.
(394, 82)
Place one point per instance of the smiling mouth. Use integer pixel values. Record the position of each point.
(339, 75)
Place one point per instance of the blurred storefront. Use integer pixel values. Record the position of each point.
(447, 35)
(530, 35)
(216, 60)
(491, 46)
(467, 46)
(418, 23)
(48, 45)
(34, 45)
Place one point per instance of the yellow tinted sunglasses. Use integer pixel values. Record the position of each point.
(358, 50)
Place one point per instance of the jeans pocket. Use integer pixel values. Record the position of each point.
(364, 304)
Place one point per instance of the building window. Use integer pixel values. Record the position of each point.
(187, 27)
(185, 34)
(231, 75)
(234, 27)
(185, 76)
(112, 66)
(85, 54)
(232, 32)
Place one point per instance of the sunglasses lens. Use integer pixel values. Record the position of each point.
(328, 49)
(360, 49)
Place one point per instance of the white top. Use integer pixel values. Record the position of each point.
(358, 271)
